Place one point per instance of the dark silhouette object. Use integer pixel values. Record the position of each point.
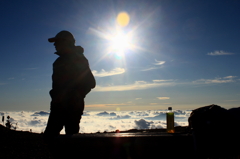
(8, 124)
(15, 128)
(213, 131)
(3, 119)
(72, 80)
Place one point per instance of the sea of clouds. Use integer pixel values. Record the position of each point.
(99, 121)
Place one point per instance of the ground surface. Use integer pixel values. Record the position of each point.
(19, 144)
(132, 144)
(22, 144)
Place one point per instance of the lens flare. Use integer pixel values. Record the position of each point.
(123, 19)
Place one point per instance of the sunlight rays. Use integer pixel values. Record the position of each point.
(122, 38)
(118, 40)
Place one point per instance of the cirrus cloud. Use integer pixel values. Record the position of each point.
(138, 85)
(163, 98)
(104, 73)
(218, 80)
(159, 62)
(219, 53)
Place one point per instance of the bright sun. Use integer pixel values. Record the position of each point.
(120, 42)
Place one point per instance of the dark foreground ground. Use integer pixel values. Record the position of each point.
(132, 144)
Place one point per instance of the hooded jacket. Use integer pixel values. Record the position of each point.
(71, 75)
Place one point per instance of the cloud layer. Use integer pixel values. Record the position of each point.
(99, 121)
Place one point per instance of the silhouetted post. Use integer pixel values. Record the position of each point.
(3, 119)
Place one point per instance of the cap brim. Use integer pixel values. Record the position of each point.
(51, 40)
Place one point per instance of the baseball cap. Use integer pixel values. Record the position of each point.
(66, 35)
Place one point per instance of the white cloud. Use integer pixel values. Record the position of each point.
(138, 85)
(104, 73)
(139, 113)
(121, 117)
(160, 116)
(163, 98)
(159, 62)
(34, 122)
(219, 53)
(142, 124)
(218, 80)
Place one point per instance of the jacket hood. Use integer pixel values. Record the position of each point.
(79, 49)
(76, 49)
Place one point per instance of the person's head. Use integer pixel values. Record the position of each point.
(63, 41)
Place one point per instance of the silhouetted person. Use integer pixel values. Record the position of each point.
(72, 80)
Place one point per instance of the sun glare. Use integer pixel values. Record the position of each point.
(120, 42)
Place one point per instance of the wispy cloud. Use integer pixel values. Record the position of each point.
(163, 98)
(231, 100)
(229, 77)
(138, 98)
(11, 78)
(219, 53)
(157, 81)
(159, 62)
(218, 80)
(104, 73)
(138, 85)
(151, 68)
(2, 83)
(107, 105)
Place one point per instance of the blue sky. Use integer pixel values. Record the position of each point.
(183, 54)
